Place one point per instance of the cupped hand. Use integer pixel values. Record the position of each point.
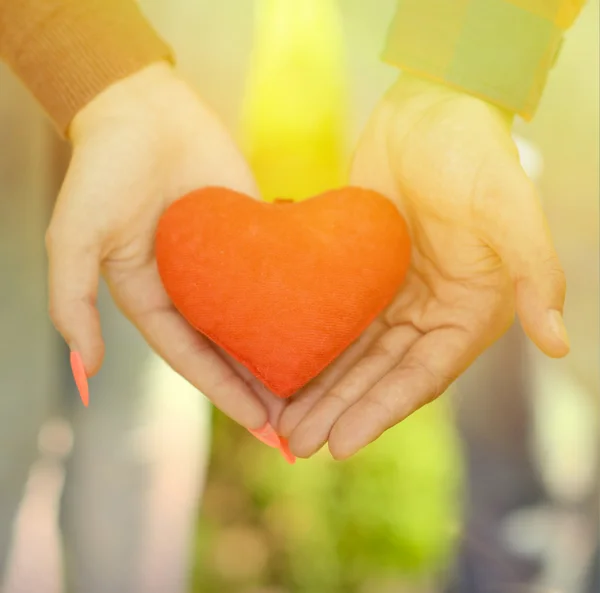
(137, 147)
(480, 249)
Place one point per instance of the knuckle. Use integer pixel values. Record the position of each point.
(434, 383)
(338, 398)
(63, 313)
(383, 408)
(56, 314)
(414, 365)
(554, 271)
(381, 348)
(224, 382)
(318, 384)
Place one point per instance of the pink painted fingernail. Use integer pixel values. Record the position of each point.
(266, 435)
(285, 451)
(80, 377)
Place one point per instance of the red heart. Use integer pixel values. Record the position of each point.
(283, 287)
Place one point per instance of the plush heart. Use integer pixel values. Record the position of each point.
(283, 287)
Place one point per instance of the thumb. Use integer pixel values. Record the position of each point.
(73, 286)
(521, 237)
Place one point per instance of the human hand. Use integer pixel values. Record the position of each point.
(481, 248)
(137, 147)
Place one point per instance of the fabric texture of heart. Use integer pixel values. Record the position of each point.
(282, 287)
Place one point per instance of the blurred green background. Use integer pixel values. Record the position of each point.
(382, 521)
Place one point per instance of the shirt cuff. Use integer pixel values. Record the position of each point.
(498, 50)
(68, 51)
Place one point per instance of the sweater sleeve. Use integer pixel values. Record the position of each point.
(68, 51)
(499, 50)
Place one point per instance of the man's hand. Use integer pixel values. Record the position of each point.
(481, 247)
(137, 147)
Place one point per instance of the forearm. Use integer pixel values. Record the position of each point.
(68, 51)
(500, 50)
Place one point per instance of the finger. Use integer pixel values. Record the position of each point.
(312, 433)
(520, 235)
(425, 372)
(273, 404)
(143, 300)
(303, 402)
(73, 286)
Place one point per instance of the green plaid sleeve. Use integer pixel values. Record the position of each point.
(499, 50)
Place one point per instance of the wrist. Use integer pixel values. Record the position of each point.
(141, 96)
(500, 52)
(430, 91)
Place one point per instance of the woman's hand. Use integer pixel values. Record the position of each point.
(481, 247)
(137, 147)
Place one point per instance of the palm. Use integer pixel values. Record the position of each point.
(125, 171)
(443, 159)
(132, 274)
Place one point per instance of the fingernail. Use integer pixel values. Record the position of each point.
(285, 451)
(80, 377)
(559, 329)
(266, 435)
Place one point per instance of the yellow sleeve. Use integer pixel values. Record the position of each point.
(499, 50)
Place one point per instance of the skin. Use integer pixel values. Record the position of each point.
(481, 251)
(138, 146)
